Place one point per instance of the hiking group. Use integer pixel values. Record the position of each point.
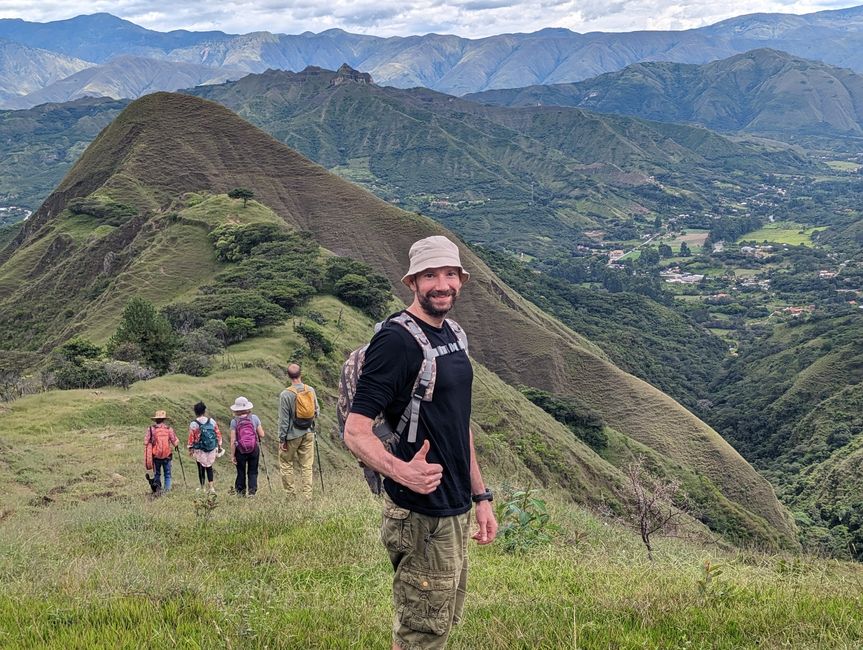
(298, 410)
(404, 411)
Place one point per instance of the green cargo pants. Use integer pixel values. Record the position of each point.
(429, 555)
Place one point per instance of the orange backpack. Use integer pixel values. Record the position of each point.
(160, 441)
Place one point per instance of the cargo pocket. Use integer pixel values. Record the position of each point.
(426, 605)
(396, 527)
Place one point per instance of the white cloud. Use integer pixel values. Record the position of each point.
(469, 18)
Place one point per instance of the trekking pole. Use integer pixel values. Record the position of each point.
(318, 454)
(182, 469)
(264, 461)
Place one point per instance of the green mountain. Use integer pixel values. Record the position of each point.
(764, 92)
(128, 221)
(41, 144)
(791, 405)
(527, 179)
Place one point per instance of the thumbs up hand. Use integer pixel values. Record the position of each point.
(419, 475)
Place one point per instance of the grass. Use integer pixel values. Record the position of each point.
(843, 165)
(267, 572)
(783, 233)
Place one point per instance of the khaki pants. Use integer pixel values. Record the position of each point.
(299, 455)
(429, 555)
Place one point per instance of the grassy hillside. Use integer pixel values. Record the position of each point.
(244, 572)
(266, 572)
(165, 146)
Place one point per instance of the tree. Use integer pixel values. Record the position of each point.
(654, 511)
(665, 251)
(684, 250)
(241, 193)
(143, 326)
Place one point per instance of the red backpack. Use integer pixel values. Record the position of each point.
(160, 440)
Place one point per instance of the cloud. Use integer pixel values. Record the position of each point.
(468, 18)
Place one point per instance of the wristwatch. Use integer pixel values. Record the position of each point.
(484, 496)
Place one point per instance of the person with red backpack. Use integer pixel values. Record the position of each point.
(159, 444)
(246, 436)
(205, 444)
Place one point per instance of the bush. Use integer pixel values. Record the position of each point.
(243, 304)
(315, 337)
(238, 329)
(141, 325)
(109, 212)
(183, 316)
(192, 363)
(122, 374)
(202, 341)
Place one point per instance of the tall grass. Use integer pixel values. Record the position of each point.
(128, 571)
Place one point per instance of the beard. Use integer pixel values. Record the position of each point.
(425, 301)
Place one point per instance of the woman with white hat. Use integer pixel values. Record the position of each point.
(246, 435)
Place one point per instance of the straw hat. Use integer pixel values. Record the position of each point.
(433, 253)
(160, 415)
(241, 404)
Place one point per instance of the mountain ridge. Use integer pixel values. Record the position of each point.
(514, 338)
(453, 64)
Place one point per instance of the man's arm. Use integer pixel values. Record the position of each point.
(285, 415)
(417, 475)
(484, 512)
(233, 445)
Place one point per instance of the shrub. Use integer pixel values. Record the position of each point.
(123, 374)
(243, 304)
(192, 363)
(201, 341)
(238, 329)
(183, 316)
(524, 521)
(143, 326)
(315, 337)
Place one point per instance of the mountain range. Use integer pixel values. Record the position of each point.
(764, 92)
(443, 62)
(72, 272)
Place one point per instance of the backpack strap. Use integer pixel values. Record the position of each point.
(424, 386)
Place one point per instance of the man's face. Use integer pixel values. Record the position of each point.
(437, 289)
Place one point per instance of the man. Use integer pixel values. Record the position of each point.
(429, 484)
(296, 433)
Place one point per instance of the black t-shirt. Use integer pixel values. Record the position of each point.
(391, 366)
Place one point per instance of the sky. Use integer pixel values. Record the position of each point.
(466, 18)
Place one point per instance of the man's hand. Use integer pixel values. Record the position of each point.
(418, 475)
(487, 523)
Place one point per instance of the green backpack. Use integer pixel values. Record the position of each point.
(207, 439)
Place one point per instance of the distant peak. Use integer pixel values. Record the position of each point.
(346, 74)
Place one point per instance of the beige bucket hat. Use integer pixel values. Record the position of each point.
(432, 253)
(160, 415)
(241, 404)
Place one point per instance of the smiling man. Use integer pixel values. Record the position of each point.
(432, 481)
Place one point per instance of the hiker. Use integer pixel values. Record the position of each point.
(429, 483)
(205, 444)
(160, 443)
(298, 410)
(246, 436)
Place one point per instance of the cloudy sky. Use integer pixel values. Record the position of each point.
(468, 18)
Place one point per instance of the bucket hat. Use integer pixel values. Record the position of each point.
(241, 404)
(160, 415)
(432, 253)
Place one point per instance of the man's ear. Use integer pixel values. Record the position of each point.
(412, 283)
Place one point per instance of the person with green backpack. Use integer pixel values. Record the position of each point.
(298, 410)
(205, 444)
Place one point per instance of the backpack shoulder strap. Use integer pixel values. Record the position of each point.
(459, 333)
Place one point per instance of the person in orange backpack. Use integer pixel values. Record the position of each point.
(298, 409)
(161, 442)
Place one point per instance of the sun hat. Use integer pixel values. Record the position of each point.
(241, 404)
(432, 253)
(160, 415)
